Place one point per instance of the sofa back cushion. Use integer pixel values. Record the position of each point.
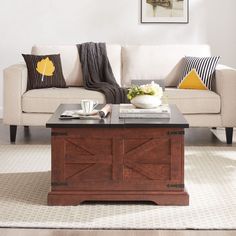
(155, 62)
(71, 64)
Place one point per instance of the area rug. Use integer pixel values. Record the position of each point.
(210, 181)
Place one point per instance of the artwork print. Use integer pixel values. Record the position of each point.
(164, 11)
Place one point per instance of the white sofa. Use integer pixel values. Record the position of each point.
(215, 108)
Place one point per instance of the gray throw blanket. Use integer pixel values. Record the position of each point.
(97, 72)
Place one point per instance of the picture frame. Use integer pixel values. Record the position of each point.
(165, 11)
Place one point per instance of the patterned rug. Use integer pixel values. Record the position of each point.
(210, 181)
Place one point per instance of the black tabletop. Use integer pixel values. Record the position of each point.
(112, 120)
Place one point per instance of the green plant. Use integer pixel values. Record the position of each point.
(152, 89)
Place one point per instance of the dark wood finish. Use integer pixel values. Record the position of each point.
(118, 163)
(229, 135)
(13, 129)
(160, 198)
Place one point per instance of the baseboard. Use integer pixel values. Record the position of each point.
(1, 112)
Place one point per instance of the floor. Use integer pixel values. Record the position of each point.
(40, 135)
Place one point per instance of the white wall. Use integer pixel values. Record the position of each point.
(26, 22)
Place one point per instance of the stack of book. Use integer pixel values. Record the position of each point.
(130, 111)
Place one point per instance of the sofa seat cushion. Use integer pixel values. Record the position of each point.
(47, 100)
(191, 101)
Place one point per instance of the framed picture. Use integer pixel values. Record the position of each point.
(164, 11)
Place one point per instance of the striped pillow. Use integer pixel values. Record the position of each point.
(204, 66)
(44, 71)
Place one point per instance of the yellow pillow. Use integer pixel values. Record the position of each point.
(192, 81)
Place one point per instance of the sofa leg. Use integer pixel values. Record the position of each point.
(26, 129)
(229, 135)
(13, 129)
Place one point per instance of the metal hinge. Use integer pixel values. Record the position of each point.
(176, 133)
(175, 185)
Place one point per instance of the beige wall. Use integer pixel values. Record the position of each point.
(26, 22)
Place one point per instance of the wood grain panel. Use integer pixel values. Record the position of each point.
(152, 151)
(161, 198)
(148, 171)
(130, 185)
(75, 169)
(177, 158)
(111, 161)
(58, 160)
(117, 162)
(91, 145)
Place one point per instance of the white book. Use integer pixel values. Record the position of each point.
(143, 115)
(131, 109)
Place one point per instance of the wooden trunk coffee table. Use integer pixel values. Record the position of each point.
(117, 159)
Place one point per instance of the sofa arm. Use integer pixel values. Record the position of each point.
(226, 87)
(14, 85)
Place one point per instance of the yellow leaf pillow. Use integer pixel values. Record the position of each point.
(44, 71)
(192, 81)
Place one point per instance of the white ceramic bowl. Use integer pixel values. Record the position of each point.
(146, 101)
